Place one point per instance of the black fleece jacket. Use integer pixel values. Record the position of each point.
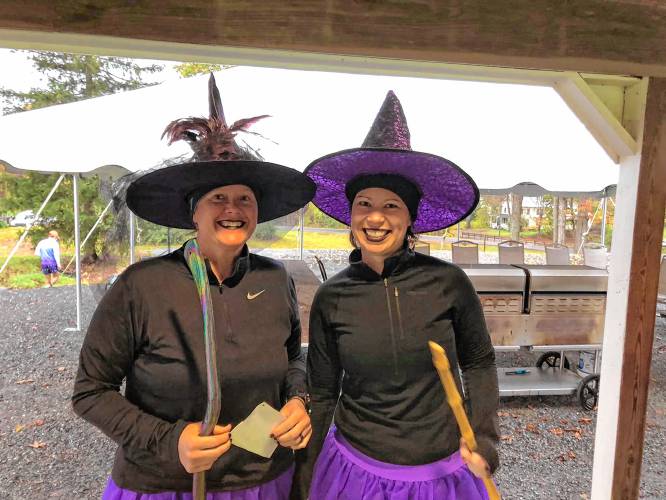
(148, 331)
(370, 366)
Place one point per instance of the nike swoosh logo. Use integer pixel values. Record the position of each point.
(251, 296)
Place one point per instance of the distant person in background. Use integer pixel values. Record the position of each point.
(49, 251)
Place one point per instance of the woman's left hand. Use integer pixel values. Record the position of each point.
(295, 431)
(475, 462)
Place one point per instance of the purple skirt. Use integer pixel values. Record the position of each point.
(344, 473)
(277, 489)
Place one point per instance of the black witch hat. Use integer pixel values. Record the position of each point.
(164, 196)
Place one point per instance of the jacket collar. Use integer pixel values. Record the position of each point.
(241, 265)
(394, 265)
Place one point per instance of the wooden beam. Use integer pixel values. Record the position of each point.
(630, 310)
(596, 116)
(641, 306)
(598, 36)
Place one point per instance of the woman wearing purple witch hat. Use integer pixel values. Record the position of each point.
(369, 366)
(202, 337)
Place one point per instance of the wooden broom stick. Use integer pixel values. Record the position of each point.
(443, 367)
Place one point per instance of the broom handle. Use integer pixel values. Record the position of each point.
(443, 367)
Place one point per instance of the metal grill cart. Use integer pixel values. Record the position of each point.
(545, 308)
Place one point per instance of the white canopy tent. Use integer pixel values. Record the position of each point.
(498, 133)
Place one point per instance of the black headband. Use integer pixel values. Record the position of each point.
(194, 197)
(404, 188)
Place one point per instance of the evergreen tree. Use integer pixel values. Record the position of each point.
(69, 78)
(72, 77)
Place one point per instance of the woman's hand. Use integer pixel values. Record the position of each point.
(295, 431)
(198, 453)
(475, 462)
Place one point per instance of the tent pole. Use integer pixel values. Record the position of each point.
(85, 240)
(77, 251)
(29, 226)
(583, 238)
(603, 220)
(131, 237)
(301, 216)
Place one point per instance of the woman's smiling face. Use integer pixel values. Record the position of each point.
(379, 222)
(226, 216)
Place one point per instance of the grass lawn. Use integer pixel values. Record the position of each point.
(484, 230)
(311, 241)
(8, 238)
(530, 235)
(9, 235)
(24, 268)
(24, 271)
(36, 280)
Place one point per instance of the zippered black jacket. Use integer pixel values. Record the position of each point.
(148, 331)
(370, 368)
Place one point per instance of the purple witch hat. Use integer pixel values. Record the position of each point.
(447, 193)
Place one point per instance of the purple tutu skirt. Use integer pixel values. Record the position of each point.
(277, 489)
(344, 473)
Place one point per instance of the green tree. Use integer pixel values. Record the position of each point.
(481, 216)
(30, 190)
(68, 78)
(316, 218)
(547, 222)
(190, 69)
(72, 77)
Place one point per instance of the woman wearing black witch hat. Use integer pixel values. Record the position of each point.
(208, 320)
(369, 367)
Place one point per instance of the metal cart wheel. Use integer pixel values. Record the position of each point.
(551, 359)
(588, 392)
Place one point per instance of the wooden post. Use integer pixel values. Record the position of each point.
(630, 312)
(625, 37)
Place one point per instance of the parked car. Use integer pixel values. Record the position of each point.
(22, 218)
(28, 216)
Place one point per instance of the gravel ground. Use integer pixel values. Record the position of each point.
(47, 452)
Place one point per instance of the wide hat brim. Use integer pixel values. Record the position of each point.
(161, 196)
(449, 195)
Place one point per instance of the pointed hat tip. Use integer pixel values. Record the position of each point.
(389, 130)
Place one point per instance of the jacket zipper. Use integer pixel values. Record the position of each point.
(397, 304)
(390, 313)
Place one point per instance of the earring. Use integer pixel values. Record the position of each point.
(352, 240)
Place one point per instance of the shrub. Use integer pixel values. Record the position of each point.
(266, 232)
